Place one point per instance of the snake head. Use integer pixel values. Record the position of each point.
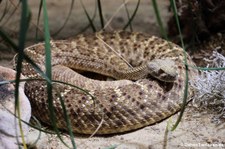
(163, 69)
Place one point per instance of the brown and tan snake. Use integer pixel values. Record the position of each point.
(149, 85)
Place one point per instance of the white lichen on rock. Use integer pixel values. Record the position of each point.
(210, 87)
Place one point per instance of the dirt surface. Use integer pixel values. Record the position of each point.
(195, 130)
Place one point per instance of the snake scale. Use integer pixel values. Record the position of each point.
(143, 93)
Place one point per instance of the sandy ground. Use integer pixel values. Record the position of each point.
(196, 129)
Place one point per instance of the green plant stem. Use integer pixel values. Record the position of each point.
(186, 68)
(100, 13)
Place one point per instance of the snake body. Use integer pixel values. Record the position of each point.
(136, 100)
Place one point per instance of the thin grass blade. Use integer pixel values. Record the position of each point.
(48, 67)
(88, 17)
(100, 13)
(128, 15)
(132, 16)
(24, 23)
(66, 20)
(185, 96)
(157, 12)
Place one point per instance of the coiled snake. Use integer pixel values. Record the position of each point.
(150, 83)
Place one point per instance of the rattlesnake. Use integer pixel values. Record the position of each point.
(148, 91)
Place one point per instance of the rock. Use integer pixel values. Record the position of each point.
(10, 136)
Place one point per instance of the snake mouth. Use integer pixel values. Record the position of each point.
(166, 86)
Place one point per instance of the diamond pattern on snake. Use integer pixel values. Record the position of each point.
(149, 83)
